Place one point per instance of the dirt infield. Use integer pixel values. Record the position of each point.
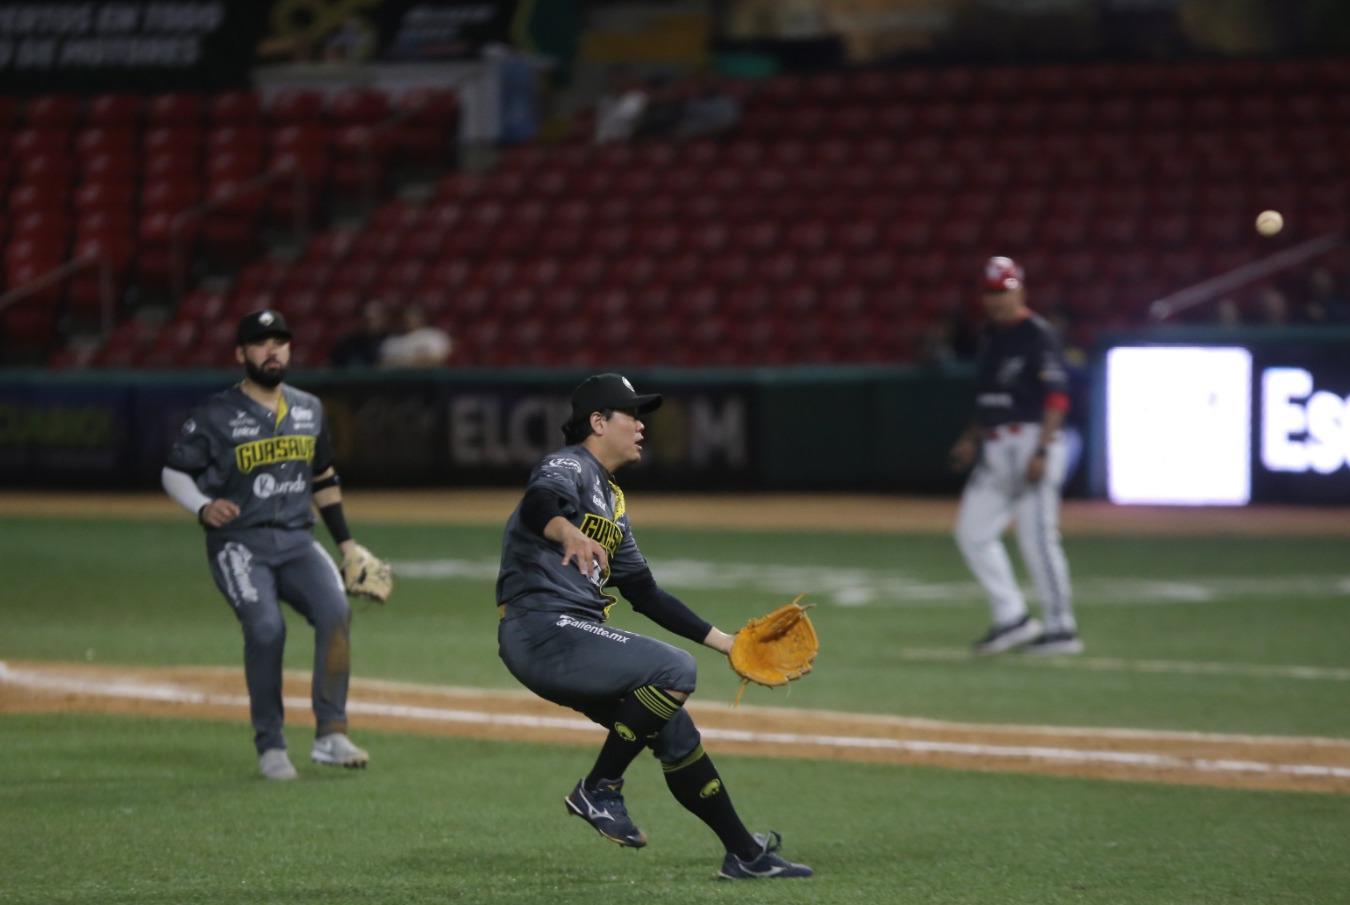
(767, 512)
(1230, 761)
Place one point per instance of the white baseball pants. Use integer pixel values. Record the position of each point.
(997, 492)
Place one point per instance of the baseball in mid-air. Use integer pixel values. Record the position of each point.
(1268, 223)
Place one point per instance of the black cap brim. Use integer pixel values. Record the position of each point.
(649, 402)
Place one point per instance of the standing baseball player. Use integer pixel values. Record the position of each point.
(251, 463)
(1020, 459)
(566, 541)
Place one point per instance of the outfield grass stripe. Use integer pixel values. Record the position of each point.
(825, 743)
(1118, 664)
(909, 589)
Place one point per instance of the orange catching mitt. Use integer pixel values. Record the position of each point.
(775, 648)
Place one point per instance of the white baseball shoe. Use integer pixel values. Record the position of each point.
(1002, 638)
(275, 763)
(336, 749)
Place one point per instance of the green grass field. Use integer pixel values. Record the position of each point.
(1220, 635)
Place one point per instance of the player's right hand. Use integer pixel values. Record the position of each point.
(218, 512)
(589, 555)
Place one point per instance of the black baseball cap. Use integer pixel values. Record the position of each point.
(258, 325)
(610, 391)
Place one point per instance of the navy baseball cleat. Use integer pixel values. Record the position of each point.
(1002, 638)
(603, 808)
(768, 864)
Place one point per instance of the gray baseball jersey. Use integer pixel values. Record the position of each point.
(550, 636)
(238, 450)
(532, 575)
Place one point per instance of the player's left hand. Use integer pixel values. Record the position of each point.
(776, 648)
(365, 574)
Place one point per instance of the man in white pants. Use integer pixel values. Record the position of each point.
(1020, 459)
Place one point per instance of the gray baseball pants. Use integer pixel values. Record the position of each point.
(256, 569)
(583, 664)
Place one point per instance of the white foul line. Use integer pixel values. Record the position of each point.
(172, 694)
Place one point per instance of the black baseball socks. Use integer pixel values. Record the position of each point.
(696, 785)
(639, 715)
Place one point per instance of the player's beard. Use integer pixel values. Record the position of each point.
(265, 378)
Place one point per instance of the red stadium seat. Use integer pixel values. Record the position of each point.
(171, 196)
(172, 141)
(358, 106)
(120, 141)
(40, 142)
(291, 106)
(108, 168)
(113, 111)
(175, 109)
(57, 112)
(235, 108)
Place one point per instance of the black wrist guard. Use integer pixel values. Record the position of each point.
(336, 522)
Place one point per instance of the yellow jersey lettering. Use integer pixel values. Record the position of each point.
(602, 531)
(296, 448)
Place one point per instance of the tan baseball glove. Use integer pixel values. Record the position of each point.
(366, 575)
(776, 648)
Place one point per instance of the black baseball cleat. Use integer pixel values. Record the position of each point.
(1002, 638)
(603, 808)
(768, 864)
(1055, 643)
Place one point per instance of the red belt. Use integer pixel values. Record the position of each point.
(993, 433)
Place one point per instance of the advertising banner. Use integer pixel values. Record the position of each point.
(1301, 425)
(63, 46)
(200, 45)
(69, 435)
(407, 430)
(1266, 420)
(701, 436)
(867, 31)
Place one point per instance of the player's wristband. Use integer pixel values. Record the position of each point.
(336, 522)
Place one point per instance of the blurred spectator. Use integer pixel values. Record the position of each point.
(420, 345)
(663, 112)
(361, 347)
(708, 111)
(620, 109)
(518, 90)
(1273, 307)
(1227, 313)
(948, 339)
(935, 348)
(352, 42)
(1323, 300)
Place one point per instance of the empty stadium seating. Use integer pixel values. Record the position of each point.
(847, 214)
(123, 179)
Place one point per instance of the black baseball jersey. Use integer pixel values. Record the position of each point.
(532, 574)
(265, 463)
(1016, 367)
